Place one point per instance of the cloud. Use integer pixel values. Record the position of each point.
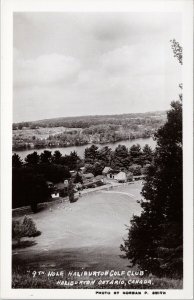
(45, 70)
(93, 63)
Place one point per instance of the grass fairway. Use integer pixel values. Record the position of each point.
(82, 236)
(85, 234)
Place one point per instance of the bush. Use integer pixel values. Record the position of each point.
(24, 228)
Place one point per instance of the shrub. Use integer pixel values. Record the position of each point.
(24, 228)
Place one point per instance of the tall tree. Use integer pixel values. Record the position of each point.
(120, 158)
(46, 156)
(136, 154)
(71, 191)
(91, 154)
(57, 157)
(155, 238)
(147, 154)
(32, 159)
(16, 161)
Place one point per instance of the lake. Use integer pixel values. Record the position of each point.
(80, 149)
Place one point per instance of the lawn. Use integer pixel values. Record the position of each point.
(85, 235)
(96, 222)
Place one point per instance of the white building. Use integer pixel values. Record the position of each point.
(121, 177)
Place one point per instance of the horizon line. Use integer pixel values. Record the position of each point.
(96, 115)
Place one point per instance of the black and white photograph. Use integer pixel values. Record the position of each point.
(97, 161)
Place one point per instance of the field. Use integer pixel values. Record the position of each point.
(85, 235)
(42, 132)
(93, 224)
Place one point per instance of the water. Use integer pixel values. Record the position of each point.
(80, 149)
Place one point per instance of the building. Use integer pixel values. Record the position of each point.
(109, 172)
(50, 184)
(88, 176)
(121, 177)
(106, 170)
(82, 169)
(73, 173)
(100, 178)
(55, 195)
(61, 188)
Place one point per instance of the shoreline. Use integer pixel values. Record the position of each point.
(89, 144)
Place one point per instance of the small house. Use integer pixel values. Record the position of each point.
(49, 184)
(55, 195)
(121, 177)
(88, 176)
(82, 169)
(73, 173)
(100, 178)
(109, 172)
(61, 188)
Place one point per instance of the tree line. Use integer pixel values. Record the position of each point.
(29, 177)
(96, 134)
(88, 121)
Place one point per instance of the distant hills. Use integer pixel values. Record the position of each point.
(87, 121)
(83, 130)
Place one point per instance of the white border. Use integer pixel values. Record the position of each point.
(10, 6)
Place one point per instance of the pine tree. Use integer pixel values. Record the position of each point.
(155, 238)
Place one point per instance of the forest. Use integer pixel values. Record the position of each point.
(29, 177)
(77, 131)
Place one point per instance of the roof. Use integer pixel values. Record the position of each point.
(129, 174)
(49, 182)
(106, 170)
(120, 176)
(99, 177)
(88, 175)
(72, 171)
(60, 185)
(121, 173)
(138, 176)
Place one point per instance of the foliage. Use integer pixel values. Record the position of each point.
(16, 161)
(71, 161)
(98, 168)
(24, 228)
(56, 157)
(28, 188)
(78, 178)
(91, 154)
(155, 238)
(84, 130)
(71, 191)
(120, 158)
(46, 157)
(147, 154)
(29, 179)
(32, 159)
(177, 50)
(135, 169)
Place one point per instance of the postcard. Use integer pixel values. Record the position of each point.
(97, 149)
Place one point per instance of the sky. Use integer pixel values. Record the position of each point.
(74, 64)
